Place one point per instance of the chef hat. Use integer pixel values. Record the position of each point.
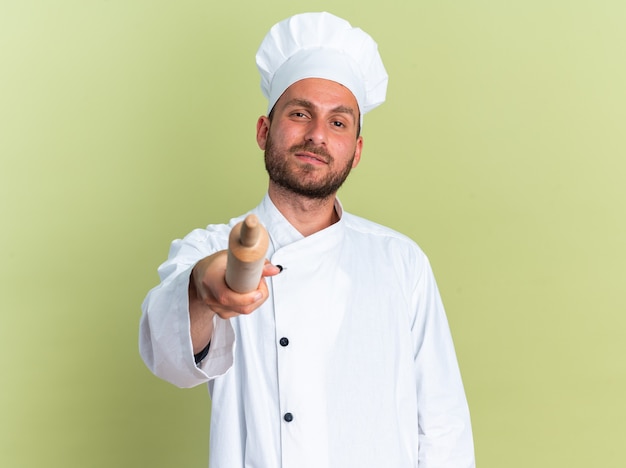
(321, 45)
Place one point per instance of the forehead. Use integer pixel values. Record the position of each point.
(320, 93)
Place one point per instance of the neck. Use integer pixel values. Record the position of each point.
(307, 215)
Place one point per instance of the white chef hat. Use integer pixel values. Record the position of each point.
(321, 45)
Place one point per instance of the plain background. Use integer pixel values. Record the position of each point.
(501, 150)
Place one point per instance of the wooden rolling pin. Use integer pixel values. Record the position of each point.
(247, 247)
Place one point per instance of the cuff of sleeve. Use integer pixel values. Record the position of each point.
(220, 354)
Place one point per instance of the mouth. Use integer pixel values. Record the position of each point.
(311, 158)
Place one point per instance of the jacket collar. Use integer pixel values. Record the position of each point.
(282, 233)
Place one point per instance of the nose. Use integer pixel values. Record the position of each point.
(315, 132)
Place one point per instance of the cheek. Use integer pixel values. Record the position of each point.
(284, 137)
(347, 149)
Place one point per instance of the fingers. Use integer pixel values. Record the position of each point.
(232, 306)
(270, 269)
(211, 288)
(225, 299)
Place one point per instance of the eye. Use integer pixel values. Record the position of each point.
(338, 124)
(300, 115)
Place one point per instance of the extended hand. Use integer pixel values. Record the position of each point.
(209, 295)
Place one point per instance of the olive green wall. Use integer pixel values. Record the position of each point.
(501, 150)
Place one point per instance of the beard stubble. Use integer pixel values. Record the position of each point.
(297, 182)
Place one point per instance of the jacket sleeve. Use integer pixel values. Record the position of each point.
(164, 336)
(445, 433)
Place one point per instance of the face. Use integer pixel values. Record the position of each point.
(311, 142)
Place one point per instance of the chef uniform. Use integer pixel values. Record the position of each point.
(350, 362)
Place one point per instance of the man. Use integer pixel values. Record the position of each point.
(342, 357)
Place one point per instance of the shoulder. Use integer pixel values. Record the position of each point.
(204, 241)
(377, 232)
(392, 256)
(376, 236)
(214, 232)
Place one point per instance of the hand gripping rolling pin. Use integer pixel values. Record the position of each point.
(247, 247)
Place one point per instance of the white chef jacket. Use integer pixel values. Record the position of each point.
(349, 363)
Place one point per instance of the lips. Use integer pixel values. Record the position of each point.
(312, 157)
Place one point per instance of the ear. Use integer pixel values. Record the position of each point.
(357, 152)
(262, 131)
